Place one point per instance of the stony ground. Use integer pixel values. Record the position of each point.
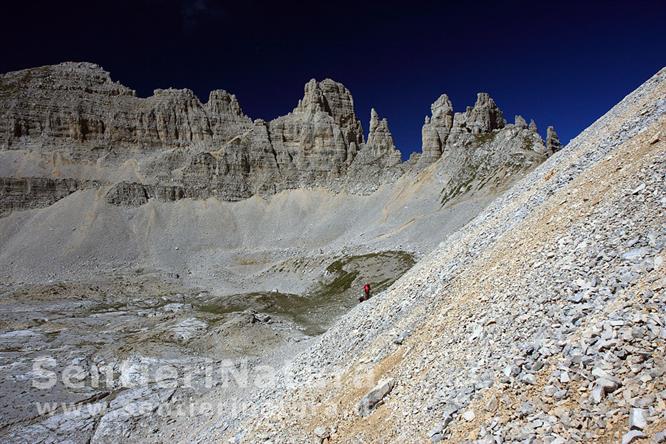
(541, 321)
(136, 325)
(123, 326)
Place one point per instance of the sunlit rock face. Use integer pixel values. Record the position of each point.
(73, 121)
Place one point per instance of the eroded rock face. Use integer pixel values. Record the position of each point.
(178, 147)
(485, 116)
(136, 194)
(436, 129)
(380, 137)
(378, 160)
(225, 115)
(36, 192)
(78, 104)
(552, 140)
(335, 100)
(520, 122)
(380, 143)
(483, 124)
(320, 137)
(62, 102)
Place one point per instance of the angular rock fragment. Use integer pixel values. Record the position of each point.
(637, 419)
(375, 396)
(322, 433)
(632, 436)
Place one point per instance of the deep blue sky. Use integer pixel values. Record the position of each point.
(559, 62)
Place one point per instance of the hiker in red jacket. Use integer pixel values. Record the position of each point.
(366, 293)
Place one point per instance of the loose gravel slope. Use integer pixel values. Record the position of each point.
(544, 318)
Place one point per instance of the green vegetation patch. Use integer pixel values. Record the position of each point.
(315, 311)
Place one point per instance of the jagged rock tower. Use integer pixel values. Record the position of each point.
(74, 113)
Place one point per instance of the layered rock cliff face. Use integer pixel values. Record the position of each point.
(172, 141)
(79, 105)
(36, 192)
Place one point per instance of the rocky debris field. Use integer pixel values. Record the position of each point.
(174, 271)
(132, 326)
(542, 320)
(122, 326)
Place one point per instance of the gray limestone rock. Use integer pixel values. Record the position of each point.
(436, 129)
(380, 138)
(375, 396)
(322, 433)
(485, 116)
(632, 436)
(637, 419)
(660, 437)
(552, 140)
(520, 122)
(35, 192)
(171, 146)
(136, 194)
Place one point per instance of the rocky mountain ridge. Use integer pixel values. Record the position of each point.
(541, 320)
(532, 309)
(74, 114)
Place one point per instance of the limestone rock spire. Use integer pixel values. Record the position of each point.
(520, 122)
(553, 144)
(436, 128)
(374, 122)
(485, 116)
(334, 99)
(380, 138)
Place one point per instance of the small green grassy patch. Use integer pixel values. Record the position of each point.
(344, 279)
(328, 299)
